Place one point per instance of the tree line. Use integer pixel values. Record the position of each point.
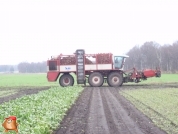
(152, 55)
(8, 68)
(38, 67)
(25, 67)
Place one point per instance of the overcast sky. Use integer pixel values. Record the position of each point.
(33, 30)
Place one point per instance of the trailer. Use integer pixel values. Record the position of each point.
(94, 69)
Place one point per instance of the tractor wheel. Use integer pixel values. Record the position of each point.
(66, 80)
(96, 79)
(115, 79)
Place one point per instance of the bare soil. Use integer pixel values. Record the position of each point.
(21, 91)
(102, 110)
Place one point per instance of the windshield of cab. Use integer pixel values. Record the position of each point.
(118, 60)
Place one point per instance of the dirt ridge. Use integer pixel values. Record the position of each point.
(102, 110)
(22, 92)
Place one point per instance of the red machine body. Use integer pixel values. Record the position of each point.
(94, 69)
(149, 73)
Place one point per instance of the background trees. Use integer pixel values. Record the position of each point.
(152, 55)
(39, 67)
(25, 67)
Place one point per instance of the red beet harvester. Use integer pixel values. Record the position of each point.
(95, 69)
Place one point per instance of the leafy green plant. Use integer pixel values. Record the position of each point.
(40, 113)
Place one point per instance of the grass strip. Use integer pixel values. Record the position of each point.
(40, 113)
(22, 80)
(16, 80)
(158, 105)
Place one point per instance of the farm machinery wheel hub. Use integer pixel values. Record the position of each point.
(115, 79)
(66, 81)
(96, 79)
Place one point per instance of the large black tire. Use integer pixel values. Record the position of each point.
(115, 79)
(66, 80)
(96, 79)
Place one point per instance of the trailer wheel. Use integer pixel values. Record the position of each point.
(96, 79)
(66, 80)
(115, 79)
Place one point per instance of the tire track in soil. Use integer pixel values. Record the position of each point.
(75, 120)
(102, 110)
(119, 117)
(97, 123)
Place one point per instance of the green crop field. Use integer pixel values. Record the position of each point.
(165, 78)
(160, 105)
(41, 113)
(19, 80)
(13, 80)
(37, 113)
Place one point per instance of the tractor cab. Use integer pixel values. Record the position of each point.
(118, 61)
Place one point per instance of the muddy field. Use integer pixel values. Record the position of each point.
(101, 110)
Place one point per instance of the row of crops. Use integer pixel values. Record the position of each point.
(160, 105)
(40, 113)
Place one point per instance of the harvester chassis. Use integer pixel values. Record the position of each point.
(112, 78)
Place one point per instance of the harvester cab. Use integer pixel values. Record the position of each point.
(119, 61)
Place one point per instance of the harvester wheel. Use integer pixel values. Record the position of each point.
(115, 79)
(96, 79)
(66, 80)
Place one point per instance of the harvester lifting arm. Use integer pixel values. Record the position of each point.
(133, 75)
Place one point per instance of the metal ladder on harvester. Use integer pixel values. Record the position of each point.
(80, 66)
